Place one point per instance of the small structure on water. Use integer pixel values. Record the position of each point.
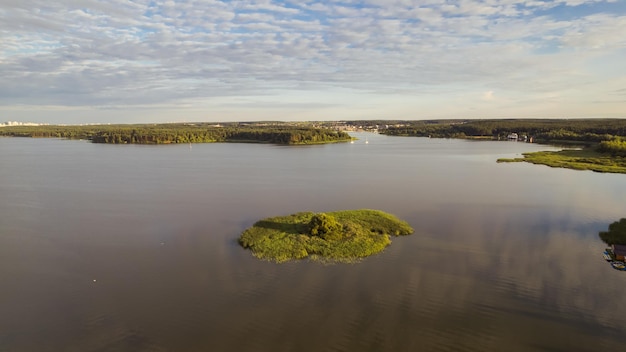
(517, 137)
(619, 251)
(618, 265)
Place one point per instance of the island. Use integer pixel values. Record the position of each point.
(296, 133)
(576, 159)
(339, 236)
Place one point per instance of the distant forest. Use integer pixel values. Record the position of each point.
(608, 135)
(183, 133)
(605, 135)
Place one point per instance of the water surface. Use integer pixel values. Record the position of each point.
(133, 248)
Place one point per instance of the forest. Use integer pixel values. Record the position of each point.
(542, 130)
(606, 136)
(183, 133)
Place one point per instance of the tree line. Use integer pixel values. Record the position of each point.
(183, 133)
(607, 135)
(593, 130)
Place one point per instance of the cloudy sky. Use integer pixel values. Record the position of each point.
(86, 61)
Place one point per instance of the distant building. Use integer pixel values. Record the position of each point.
(620, 251)
(17, 123)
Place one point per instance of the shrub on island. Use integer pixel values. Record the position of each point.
(336, 236)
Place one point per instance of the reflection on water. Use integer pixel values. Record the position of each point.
(505, 256)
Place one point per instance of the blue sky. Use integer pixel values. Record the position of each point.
(123, 61)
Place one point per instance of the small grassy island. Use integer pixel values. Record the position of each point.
(341, 236)
(583, 159)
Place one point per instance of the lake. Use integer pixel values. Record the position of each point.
(134, 248)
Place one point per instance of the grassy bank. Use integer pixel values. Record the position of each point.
(584, 159)
(343, 236)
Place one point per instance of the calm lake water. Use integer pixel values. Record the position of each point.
(133, 248)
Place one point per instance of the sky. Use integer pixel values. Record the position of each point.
(135, 61)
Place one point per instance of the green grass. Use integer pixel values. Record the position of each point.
(584, 159)
(362, 233)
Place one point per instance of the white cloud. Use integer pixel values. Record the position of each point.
(136, 53)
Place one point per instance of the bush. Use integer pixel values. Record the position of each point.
(325, 226)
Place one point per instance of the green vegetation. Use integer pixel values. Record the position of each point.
(616, 233)
(615, 147)
(342, 236)
(585, 159)
(582, 131)
(603, 140)
(277, 133)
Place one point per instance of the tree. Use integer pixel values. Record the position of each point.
(616, 233)
(325, 226)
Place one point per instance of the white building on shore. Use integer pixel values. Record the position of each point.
(17, 123)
